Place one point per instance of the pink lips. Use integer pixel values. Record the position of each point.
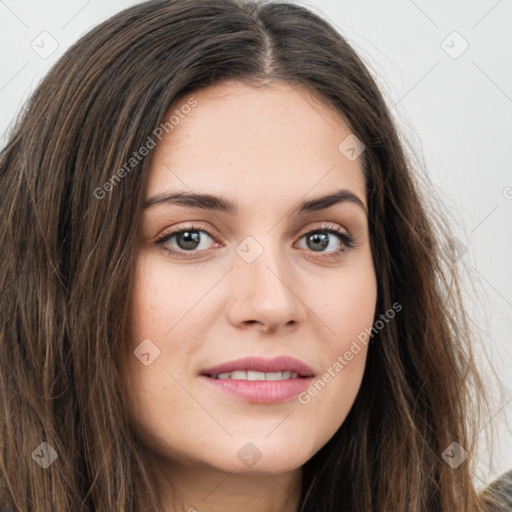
(258, 364)
(261, 391)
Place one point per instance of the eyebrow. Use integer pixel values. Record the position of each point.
(221, 204)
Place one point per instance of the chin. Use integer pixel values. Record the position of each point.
(261, 456)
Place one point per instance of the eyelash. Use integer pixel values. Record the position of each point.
(346, 240)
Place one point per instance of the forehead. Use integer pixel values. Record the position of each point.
(275, 141)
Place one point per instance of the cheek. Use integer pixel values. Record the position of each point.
(347, 306)
(329, 398)
(164, 297)
(339, 306)
(345, 302)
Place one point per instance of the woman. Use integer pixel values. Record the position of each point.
(221, 287)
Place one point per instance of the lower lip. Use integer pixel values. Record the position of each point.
(261, 391)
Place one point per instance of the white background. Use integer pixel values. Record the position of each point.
(456, 111)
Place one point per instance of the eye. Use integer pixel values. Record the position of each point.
(329, 240)
(190, 239)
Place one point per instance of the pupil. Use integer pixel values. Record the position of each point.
(188, 239)
(322, 239)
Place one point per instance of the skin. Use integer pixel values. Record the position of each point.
(267, 148)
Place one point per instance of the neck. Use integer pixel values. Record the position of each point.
(193, 488)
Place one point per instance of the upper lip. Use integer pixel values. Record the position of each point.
(258, 364)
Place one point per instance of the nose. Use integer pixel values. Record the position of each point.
(265, 294)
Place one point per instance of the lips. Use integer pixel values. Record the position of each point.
(258, 380)
(258, 364)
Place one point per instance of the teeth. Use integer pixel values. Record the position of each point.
(253, 375)
(273, 376)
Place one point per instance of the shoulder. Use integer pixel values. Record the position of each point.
(501, 488)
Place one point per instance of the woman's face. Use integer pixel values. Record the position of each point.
(258, 281)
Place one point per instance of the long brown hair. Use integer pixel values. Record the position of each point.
(68, 253)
